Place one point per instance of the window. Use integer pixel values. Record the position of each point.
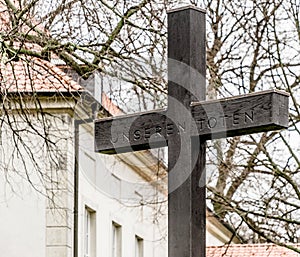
(89, 233)
(139, 247)
(116, 240)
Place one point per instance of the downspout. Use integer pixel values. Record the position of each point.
(76, 191)
(95, 107)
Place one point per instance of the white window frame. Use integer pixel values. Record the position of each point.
(116, 240)
(89, 233)
(139, 246)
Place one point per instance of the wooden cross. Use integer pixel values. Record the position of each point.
(186, 125)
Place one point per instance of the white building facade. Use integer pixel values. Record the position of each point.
(81, 203)
(58, 198)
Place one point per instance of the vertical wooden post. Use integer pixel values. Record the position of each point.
(186, 158)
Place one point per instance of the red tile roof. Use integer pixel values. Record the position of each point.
(251, 250)
(34, 75)
(108, 104)
(29, 74)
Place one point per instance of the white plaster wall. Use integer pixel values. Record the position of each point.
(22, 221)
(31, 224)
(22, 209)
(113, 190)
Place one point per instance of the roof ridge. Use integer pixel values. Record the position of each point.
(252, 250)
(251, 245)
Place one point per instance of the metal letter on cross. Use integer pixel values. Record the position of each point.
(185, 126)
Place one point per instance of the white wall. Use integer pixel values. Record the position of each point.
(114, 191)
(36, 198)
(22, 220)
(32, 226)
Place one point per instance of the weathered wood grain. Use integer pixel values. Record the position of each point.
(186, 157)
(252, 113)
(186, 126)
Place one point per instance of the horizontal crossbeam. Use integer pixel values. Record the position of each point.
(234, 116)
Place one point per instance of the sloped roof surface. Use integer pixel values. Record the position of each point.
(251, 250)
(34, 75)
(29, 74)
